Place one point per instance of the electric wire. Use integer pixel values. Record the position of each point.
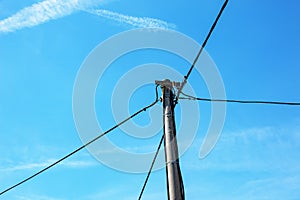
(130, 117)
(154, 159)
(201, 49)
(83, 146)
(151, 167)
(189, 97)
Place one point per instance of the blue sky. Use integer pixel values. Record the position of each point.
(256, 47)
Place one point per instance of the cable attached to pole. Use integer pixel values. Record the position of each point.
(189, 97)
(83, 146)
(151, 167)
(200, 51)
(180, 91)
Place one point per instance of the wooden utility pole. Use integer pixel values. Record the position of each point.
(174, 179)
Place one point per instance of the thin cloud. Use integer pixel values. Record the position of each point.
(139, 22)
(31, 166)
(48, 10)
(42, 12)
(34, 197)
(259, 149)
(278, 187)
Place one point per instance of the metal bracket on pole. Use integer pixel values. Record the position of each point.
(168, 83)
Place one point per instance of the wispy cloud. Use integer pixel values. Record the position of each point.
(36, 197)
(48, 10)
(31, 166)
(139, 22)
(270, 188)
(271, 149)
(40, 13)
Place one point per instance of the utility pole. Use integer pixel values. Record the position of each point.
(174, 180)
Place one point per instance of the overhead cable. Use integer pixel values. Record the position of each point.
(83, 146)
(189, 97)
(151, 167)
(201, 49)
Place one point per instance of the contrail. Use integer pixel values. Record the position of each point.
(47, 10)
(139, 22)
(42, 12)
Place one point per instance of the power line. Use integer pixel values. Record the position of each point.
(189, 97)
(180, 91)
(151, 167)
(130, 117)
(83, 146)
(201, 49)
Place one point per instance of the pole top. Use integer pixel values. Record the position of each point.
(168, 83)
